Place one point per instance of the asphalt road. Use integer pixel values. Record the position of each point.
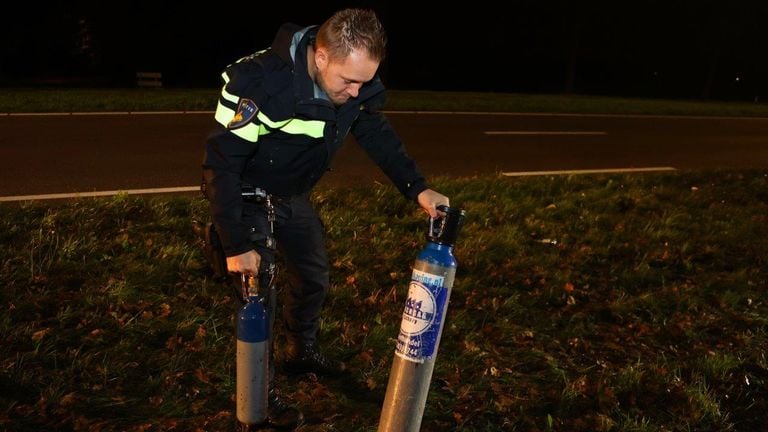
(84, 153)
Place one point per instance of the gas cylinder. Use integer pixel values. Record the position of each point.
(252, 376)
(422, 325)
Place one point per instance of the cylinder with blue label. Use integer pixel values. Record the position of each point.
(252, 375)
(422, 325)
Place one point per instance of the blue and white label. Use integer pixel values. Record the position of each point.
(422, 316)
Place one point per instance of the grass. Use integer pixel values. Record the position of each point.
(95, 100)
(581, 303)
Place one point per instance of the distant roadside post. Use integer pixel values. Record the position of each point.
(149, 79)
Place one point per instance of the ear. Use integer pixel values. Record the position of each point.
(321, 58)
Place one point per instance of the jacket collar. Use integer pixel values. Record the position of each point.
(304, 86)
(281, 45)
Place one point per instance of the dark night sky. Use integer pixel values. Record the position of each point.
(673, 48)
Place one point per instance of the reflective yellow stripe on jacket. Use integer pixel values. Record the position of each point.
(252, 131)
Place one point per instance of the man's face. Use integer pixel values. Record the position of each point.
(341, 79)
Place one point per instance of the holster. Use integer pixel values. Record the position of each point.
(212, 249)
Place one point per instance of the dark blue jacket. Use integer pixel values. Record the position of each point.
(275, 135)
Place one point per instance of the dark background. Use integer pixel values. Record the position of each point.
(673, 49)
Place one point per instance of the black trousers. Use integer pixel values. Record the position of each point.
(301, 240)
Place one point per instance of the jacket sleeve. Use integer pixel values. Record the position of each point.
(226, 157)
(374, 134)
(224, 161)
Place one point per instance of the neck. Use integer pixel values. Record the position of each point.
(311, 65)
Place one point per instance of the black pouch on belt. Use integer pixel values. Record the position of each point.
(212, 249)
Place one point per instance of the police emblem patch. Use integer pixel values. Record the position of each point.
(246, 109)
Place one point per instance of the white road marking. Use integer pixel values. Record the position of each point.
(99, 193)
(589, 171)
(104, 113)
(568, 133)
(555, 114)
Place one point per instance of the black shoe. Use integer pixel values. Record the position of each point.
(280, 414)
(304, 358)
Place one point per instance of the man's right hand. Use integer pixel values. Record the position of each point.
(246, 263)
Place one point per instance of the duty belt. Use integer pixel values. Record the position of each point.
(256, 195)
(259, 196)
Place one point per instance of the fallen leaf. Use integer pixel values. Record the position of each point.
(202, 376)
(366, 356)
(173, 342)
(457, 417)
(68, 399)
(40, 334)
(165, 310)
(370, 383)
(201, 332)
(503, 402)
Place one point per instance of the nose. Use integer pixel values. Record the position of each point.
(353, 90)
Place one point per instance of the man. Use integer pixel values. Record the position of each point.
(284, 112)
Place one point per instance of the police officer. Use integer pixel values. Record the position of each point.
(283, 114)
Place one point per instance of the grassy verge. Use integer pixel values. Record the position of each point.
(99, 100)
(584, 303)
(94, 100)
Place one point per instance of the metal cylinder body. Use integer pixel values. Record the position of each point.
(252, 376)
(420, 331)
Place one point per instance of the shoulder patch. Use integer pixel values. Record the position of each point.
(246, 110)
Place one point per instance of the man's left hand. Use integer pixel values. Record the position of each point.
(429, 200)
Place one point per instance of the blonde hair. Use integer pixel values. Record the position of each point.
(352, 29)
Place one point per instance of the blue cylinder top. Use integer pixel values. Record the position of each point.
(252, 322)
(438, 254)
